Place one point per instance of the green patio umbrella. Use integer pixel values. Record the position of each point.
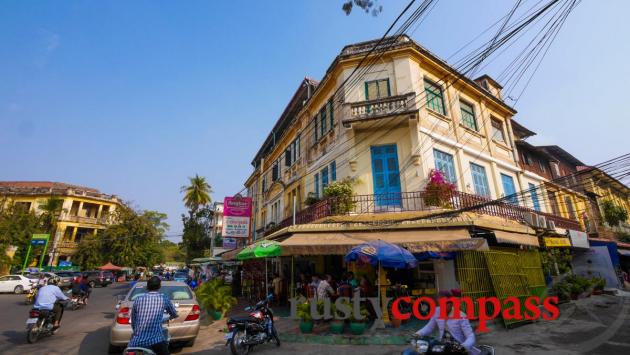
(267, 249)
(246, 253)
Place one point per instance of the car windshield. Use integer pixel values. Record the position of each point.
(32, 276)
(172, 292)
(181, 274)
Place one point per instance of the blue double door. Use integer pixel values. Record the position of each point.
(386, 176)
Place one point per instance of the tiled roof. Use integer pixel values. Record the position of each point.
(44, 184)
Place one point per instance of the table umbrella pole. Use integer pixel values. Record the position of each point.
(266, 285)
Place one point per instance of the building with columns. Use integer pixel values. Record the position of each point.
(85, 211)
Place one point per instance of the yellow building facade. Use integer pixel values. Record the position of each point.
(85, 211)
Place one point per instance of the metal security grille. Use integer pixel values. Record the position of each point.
(508, 278)
(473, 275)
(531, 263)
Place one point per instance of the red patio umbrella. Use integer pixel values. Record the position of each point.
(110, 267)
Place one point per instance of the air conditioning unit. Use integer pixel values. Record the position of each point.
(531, 219)
(542, 221)
(551, 225)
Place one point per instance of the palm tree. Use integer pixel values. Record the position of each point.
(197, 193)
(51, 210)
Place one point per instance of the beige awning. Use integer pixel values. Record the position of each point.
(516, 238)
(336, 243)
(231, 255)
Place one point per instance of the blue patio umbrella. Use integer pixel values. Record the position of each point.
(382, 254)
(386, 254)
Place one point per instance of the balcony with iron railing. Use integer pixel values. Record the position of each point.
(379, 108)
(83, 219)
(68, 244)
(414, 202)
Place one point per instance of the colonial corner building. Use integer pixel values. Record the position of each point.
(85, 211)
(387, 128)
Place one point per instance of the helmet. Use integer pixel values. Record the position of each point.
(53, 280)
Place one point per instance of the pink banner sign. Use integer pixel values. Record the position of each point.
(237, 206)
(237, 212)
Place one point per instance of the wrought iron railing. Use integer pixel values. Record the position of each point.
(383, 106)
(415, 201)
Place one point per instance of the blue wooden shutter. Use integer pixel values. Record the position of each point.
(333, 171)
(480, 180)
(509, 189)
(534, 196)
(444, 163)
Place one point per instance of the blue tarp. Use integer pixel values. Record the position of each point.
(612, 250)
(430, 255)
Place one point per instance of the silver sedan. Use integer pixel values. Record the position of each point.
(184, 328)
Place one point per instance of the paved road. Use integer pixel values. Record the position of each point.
(84, 331)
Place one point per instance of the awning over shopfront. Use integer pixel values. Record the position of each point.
(624, 252)
(231, 255)
(516, 238)
(416, 241)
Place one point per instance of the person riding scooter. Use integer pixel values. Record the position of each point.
(48, 297)
(457, 329)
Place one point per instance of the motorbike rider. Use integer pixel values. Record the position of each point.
(48, 297)
(85, 288)
(457, 329)
(146, 318)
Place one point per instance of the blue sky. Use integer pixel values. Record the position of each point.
(133, 97)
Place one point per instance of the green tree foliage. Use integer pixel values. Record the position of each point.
(134, 239)
(196, 236)
(172, 251)
(197, 193)
(90, 253)
(17, 225)
(51, 210)
(369, 6)
(613, 213)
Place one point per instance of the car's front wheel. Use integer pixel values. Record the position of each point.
(18, 289)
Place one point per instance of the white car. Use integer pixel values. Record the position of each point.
(15, 283)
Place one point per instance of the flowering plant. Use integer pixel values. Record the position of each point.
(439, 190)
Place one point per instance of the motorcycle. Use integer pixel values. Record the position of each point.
(136, 350)
(431, 346)
(76, 301)
(39, 324)
(246, 332)
(31, 296)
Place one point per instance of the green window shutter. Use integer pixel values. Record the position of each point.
(331, 109)
(322, 120)
(435, 100)
(468, 115)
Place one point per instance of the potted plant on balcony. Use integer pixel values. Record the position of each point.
(216, 298)
(306, 321)
(311, 199)
(438, 191)
(341, 193)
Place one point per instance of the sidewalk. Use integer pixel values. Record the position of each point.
(595, 325)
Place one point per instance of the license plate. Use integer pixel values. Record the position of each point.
(31, 321)
(227, 336)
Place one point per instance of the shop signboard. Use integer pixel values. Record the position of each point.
(578, 239)
(229, 243)
(237, 212)
(552, 242)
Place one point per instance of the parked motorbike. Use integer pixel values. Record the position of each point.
(135, 350)
(39, 324)
(431, 346)
(255, 329)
